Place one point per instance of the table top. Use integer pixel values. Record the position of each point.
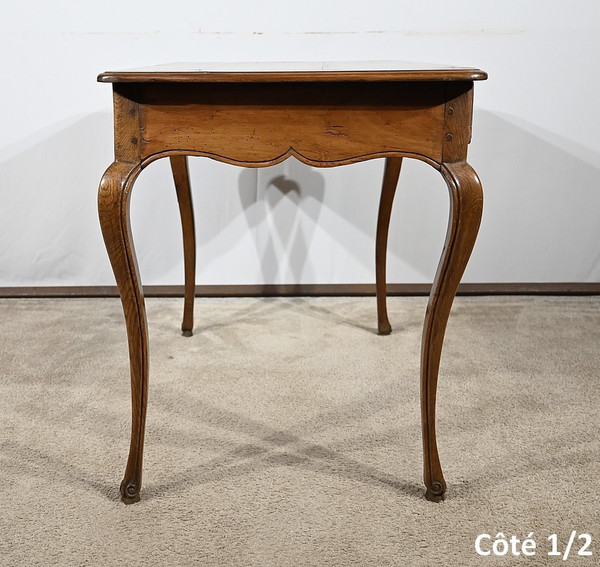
(292, 72)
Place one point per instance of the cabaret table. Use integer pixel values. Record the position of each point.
(256, 115)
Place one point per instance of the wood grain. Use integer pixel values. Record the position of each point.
(263, 124)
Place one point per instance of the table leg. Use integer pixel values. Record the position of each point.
(113, 210)
(388, 190)
(466, 204)
(186, 211)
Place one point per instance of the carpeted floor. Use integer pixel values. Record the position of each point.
(285, 432)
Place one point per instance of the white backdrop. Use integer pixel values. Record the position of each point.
(535, 143)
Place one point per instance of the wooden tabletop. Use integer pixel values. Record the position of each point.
(292, 72)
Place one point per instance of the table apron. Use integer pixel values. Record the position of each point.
(320, 124)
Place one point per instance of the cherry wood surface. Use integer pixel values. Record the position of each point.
(259, 115)
(295, 71)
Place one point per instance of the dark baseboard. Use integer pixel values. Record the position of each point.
(292, 290)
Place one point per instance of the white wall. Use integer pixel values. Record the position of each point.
(535, 142)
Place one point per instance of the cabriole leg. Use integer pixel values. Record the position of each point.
(186, 211)
(388, 190)
(466, 204)
(113, 209)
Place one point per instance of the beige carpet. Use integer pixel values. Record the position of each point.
(287, 433)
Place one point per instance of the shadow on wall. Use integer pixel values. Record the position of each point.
(286, 200)
(309, 224)
(542, 204)
(49, 230)
(293, 223)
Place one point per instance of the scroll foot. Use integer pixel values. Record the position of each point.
(130, 493)
(435, 492)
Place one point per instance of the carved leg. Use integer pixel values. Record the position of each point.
(186, 211)
(113, 209)
(466, 203)
(388, 190)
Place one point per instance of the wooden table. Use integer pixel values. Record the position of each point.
(255, 115)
